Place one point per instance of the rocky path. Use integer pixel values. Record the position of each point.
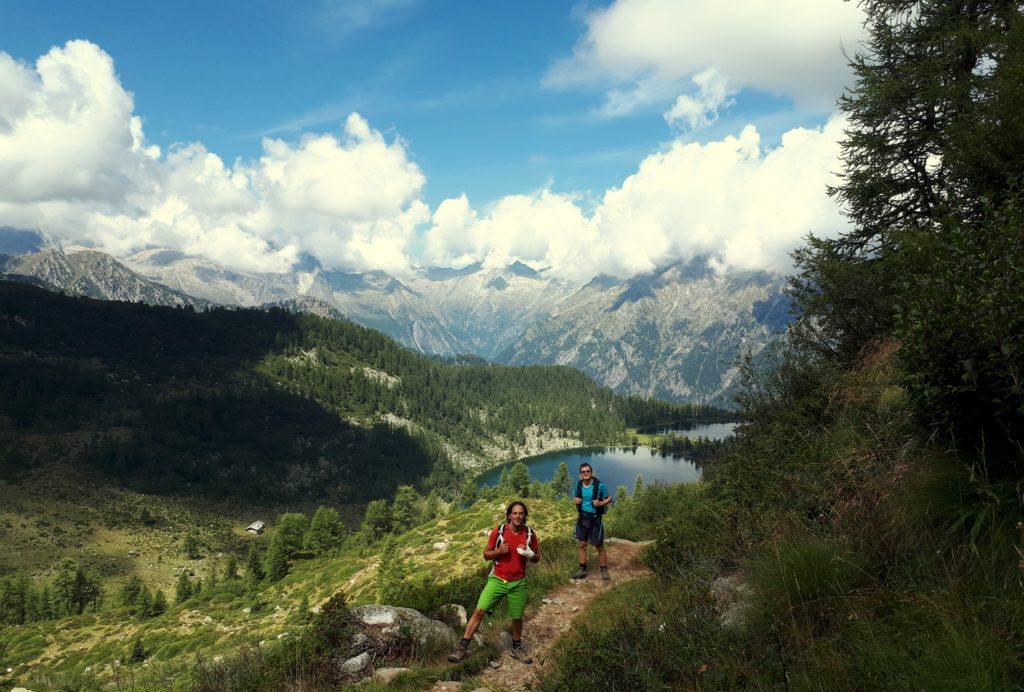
(549, 620)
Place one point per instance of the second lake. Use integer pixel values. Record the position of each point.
(615, 466)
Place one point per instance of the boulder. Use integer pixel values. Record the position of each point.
(440, 545)
(453, 615)
(359, 639)
(356, 664)
(729, 593)
(386, 676)
(422, 628)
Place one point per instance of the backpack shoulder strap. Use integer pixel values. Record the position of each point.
(579, 489)
(501, 534)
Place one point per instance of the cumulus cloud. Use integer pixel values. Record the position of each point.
(643, 51)
(701, 110)
(75, 163)
(733, 200)
(542, 228)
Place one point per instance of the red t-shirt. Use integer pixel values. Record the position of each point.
(511, 566)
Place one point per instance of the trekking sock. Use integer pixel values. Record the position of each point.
(583, 566)
(516, 643)
(464, 644)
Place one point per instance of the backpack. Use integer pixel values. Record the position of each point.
(597, 496)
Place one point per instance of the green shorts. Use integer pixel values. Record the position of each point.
(496, 588)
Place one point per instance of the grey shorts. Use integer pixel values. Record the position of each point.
(590, 529)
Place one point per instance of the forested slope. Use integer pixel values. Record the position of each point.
(267, 404)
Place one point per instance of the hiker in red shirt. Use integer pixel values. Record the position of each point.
(510, 546)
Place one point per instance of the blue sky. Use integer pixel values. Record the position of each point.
(488, 99)
(459, 81)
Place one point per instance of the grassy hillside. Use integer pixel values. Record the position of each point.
(220, 620)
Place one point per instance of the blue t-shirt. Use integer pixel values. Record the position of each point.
(588, 497)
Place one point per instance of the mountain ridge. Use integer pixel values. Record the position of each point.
(635, 335)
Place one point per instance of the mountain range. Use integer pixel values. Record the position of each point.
(675, 333)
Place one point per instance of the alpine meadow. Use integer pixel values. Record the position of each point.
(631, 345)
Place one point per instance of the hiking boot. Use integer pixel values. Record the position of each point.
(521, 654)
(604, 574)
(457, 655)
(581, 573)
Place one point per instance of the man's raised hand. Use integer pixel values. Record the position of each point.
(525, 552)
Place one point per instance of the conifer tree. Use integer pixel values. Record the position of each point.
(303, 612)
(190, 546)
(638, 486)
(325, 531)
(620, 494)
(519, 480)
(376, 521)
(138, 652)
(276, 564)
(144, 602)
(182, 589)
(159, 605)
(561, 481)
(130, 591)
(390, 573)
(290, 531)
(470, 492)
(254, 564)
(231, 567)
(404, 511)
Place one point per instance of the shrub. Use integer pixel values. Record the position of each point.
(691, 540)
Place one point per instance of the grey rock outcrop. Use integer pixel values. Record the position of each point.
(393, 619)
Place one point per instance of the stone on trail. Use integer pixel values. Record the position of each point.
(495, 664)
(356, 664)
(440, 545)
(446, 686)
(359, 639)
(386, 676)
(505, 641)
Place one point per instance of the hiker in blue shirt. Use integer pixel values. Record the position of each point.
(591, 498)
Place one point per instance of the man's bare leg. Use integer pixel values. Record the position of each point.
(474, 622)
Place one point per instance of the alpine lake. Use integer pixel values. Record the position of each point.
(617, 466)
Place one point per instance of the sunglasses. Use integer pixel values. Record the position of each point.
(585, 472)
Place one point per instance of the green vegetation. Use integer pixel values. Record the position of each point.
(226, 617)
(863, 531)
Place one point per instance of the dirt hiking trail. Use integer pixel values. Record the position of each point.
(547, 621)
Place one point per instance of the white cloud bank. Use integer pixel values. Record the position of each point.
(74, 163)
(744, 206)
(644, 51)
